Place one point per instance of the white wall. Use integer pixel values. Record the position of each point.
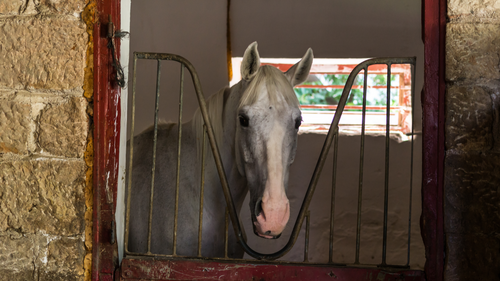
(334, 29)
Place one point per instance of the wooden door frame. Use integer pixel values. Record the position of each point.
(107, 111)
(107, 131)
(433, 121)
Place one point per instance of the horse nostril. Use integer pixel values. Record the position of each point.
(268, 232)
(258, 207)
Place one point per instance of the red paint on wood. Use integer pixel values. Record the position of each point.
(342, 87)
(357, 107)
(135, 269)
(106, 143)
(434, 21)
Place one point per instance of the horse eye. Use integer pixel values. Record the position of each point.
(298, 121)
(243, 120)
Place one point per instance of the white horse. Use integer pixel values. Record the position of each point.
(256, 123)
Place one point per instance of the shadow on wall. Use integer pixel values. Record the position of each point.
(344, 245)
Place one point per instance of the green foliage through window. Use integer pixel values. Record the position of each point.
(331, 96)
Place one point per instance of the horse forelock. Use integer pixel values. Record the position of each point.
(276, 85)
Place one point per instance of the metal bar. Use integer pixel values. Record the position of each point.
(361, 163)
(226, 232)
(386, 183)
(202, 190)
(177, 180)
(319, 166)
(332, 201)
(131, 157)
(411, 158)
(306, 242)
(155, 137)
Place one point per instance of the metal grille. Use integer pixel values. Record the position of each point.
(331, 139)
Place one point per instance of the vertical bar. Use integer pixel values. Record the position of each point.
(386, 184)
(306, 244)
(131, 157)
(157, 101)
(361, 163)
(178, 160)
(226, 233)
(413, 68)
(334, 187)
(202, 190)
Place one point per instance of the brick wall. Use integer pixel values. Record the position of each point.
(472, 163)
(44, 131)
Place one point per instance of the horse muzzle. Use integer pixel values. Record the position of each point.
(271, 217)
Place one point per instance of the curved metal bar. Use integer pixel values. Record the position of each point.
(319, 166)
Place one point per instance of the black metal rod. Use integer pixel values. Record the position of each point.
(226, 233)
(361, 163)
(413, 68)
(386, 183)
(179, 141)
(153, 167)
(202, 190)
(131, 157)
(306, 242)
(332, 200)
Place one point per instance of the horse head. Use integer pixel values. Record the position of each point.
(267, 123)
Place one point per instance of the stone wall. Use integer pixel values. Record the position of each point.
(472, 163)
(44, 133)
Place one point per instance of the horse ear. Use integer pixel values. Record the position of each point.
(251, 62)
(300, 71)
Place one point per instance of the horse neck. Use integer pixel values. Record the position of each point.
(226, 102)
(237, 182)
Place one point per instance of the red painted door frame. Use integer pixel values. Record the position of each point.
(106, 151)
(106, 143)
(433, 118)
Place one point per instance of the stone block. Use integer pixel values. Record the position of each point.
(14, 127)
(12, 274)
(64, 260)
(472, 51)
(21, 255)
(469, 118)
(42, 52)
(472, 192)
(11, 7)
(472, 257)
(64, 128)
(61, 6)
(16, 253)
(43, 196)
(477, 8)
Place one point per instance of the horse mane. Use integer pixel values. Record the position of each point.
(277, 86)
(215, 107)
